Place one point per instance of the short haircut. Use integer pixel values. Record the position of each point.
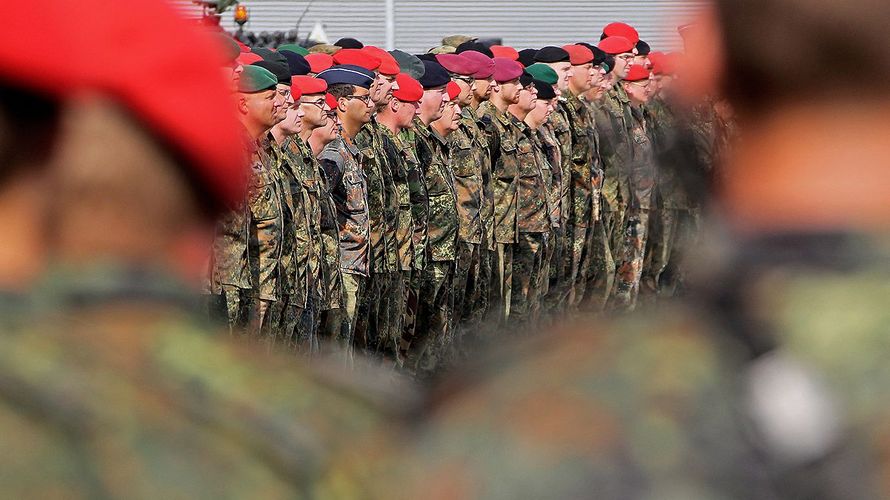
(339, 90)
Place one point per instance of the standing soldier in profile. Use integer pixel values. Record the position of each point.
(503, 141)
(437, 278)
(350, 85)
(468, 162)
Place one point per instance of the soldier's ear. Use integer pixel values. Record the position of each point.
(242, 105)
(394, 105)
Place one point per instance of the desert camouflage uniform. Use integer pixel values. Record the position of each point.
(348, 185)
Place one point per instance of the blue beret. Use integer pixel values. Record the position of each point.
(434, 75)
(349, 75)
(297, 63)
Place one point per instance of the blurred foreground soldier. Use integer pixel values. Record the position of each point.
(350, 85)
(770, 383)
(115, 387)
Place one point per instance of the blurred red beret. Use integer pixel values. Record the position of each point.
(616, 45)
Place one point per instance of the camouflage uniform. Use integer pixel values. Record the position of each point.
(374, 331)
(265, 244)
(406, 144)
(556, 136)
(112, 388)
(310, 265)
(230, 268)
(433, 335)
(641, 185)
(584, 189)
(533, 228)
(340, 161)
(295, 248)
(469, 159)
(503, 142)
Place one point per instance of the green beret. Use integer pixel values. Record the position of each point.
(256, 79)
(543, 73)
(229, 46)
(294, 48)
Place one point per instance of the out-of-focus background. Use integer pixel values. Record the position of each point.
(416, 26)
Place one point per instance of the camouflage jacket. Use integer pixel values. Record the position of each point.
(613, 122)
(230, 265)
(349, 189)
(551, 161)
(295, 240)
(331, 289)
(309, 241)
(472, 124)
(533, 207)
(443, 224)
(383, 208)
(404, 234)
(641, 174)
(670, 191)
(691, 401)
(420, 207)
(503, 142)
(266, 220)
(467, 162)
(586, 172)
(562, 133)
(112, 388)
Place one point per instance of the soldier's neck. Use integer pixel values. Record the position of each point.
(21, 217)
(350, 129)
(279, 135)
(818, 167)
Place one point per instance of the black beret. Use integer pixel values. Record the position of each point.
(426, 57)
(545, 90)
(297, 63)
(552, 55)
(349, 43)
(280, 70)
(434, 75)
(270, 55)
(599, 56)
(478, 47)
(527, 56)
(643, 48)
(526, 79)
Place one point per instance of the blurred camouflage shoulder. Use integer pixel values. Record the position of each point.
(113, 388)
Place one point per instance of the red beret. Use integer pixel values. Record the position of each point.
(208, 136)
(486, 64)
(410, 90)
(296, 92)
(388, 64)
(458, 64)
(331, 101)
(319, 62)
(622, 30)
(309, 84)
(504, 51)
(578, 54)
(453, 90)
(242, 46)
(658, 60)
(506, 69)
(616, 45)
(248, 58)
(638, 73)
(357, 57)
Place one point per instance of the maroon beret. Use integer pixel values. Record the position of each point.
(458, 64)
(506, 69)
(486, 64)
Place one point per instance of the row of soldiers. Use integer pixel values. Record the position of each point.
(402, 204)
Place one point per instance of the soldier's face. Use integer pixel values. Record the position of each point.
(581, 75)
(622, 64)
(484, 88)
(638, 92)
(564, 72)
(358, 107)
(313, 107)
(509, 91)
(283, 99)
(433, 104)
(541, 112)
(641, 60)
(262, 107)
(381, 90)
(450, 117)
(528, 98)
(406, 113)
(467, 89)
(293, 120)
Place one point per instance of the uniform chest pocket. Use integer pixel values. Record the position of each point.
(354, 190)
(437, 184)
(462, 158)
(508, 166)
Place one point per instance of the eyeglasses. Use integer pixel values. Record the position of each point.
(331, 114)
(318, 102)
(469, 80)
(626, 57)
(284, 93)
(364, 98)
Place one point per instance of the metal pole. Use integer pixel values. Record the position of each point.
(390, 24)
